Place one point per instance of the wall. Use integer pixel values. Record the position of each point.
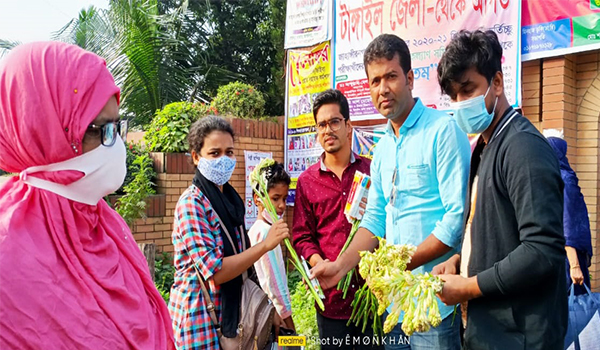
(174, 175)
(564, 93)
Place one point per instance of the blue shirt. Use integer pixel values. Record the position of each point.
(431, 156)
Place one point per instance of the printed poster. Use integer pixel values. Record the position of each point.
(427, 26)
(365, 138)
(307, 23)
(559, 27)
(251, 160)
(308, 74)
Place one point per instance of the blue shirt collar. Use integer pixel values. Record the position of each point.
(410, 121)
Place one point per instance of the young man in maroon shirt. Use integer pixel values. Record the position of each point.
(320, 227)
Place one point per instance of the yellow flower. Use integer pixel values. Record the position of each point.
(384, 270)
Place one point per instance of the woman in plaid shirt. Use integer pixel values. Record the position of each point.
(199, 238)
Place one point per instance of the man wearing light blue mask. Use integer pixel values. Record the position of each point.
(419, 182)
(472, 115)
(509, 276)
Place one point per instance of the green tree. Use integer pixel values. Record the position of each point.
(154, 52)
(247, 37)
(164, 51)
(6, 46)
(142, 49)
(243, 37)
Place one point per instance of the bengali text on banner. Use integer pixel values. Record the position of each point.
(427, 26)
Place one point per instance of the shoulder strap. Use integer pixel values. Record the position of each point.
(210, 306)
(245, 274)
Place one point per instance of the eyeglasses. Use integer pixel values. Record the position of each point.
(107, 132)
(394, 194)
(334, 124)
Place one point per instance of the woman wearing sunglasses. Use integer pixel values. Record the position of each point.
(71, 274)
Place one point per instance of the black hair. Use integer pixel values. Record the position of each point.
(276, 174)
(387, 46)
(203, 127)
(332, 96)
(477, 49)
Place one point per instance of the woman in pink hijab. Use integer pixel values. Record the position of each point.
(71, 274)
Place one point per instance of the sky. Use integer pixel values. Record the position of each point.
(36, 20)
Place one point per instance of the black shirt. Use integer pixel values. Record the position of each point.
(517, 243)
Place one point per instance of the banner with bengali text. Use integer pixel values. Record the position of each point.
(559, 27)
(427, 26)
(307, 22)
(308, 74)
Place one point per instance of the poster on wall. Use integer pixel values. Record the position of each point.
(427, 26)
(308, 74)
(307, 22)
(251, 160)
(365, 138)
(559, 27)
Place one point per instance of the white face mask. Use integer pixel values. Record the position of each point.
(104, 171)
(268, 218)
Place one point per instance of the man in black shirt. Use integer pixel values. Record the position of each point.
(511, 264)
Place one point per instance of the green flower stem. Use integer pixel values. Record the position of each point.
(344, 283)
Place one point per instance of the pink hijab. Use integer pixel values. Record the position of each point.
(71, 274)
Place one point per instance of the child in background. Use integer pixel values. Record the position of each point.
(270, 268)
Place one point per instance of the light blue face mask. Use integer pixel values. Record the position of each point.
(218, 171)
(472, 115)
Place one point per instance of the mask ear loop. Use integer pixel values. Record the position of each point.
(495, 103)
(486, 93)
(489, 87)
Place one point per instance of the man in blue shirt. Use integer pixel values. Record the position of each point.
(419, 184)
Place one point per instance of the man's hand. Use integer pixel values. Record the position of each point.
(328, 273)
(458, 289)
(448, 267)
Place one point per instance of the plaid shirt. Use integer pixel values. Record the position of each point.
(196, 236)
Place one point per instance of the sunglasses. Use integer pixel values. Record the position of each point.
(394, 194)
(107, 132)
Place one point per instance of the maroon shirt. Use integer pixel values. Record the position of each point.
(320, 226)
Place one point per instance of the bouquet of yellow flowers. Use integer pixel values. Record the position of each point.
(391, 284)
(259, 185)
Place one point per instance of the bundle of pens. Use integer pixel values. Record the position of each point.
(354, 212)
